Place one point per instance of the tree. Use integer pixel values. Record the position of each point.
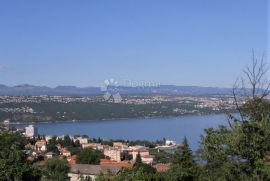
(89, 156)
(142, 168)
(215, 151)
(51, 146)
(183, 166)
(13, 164)
(241, 151)
(138, 160)
(129, 174)
(252, 89)
(126, 156)
(56, 169)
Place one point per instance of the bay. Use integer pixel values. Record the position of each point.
(172, 128)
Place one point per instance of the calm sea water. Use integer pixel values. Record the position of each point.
(174, 128)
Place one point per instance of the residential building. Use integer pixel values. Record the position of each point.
(6, 124)
(148, 159)
(121, 146)
(113, 153)
(41, 146)
(142, 152)
(91, 171)
(48, 137)
(82, 140)
(65, 152)
(170, 143)
(30, 131)
(171, 149)
(94, 146)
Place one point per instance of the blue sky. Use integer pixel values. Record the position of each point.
(82, 43)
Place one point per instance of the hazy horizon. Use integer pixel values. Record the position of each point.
(98, 86)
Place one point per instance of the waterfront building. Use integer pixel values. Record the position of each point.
(82, 140)
(6, 124)
(48, 137)
(30, 131)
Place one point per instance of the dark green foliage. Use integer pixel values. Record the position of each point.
(142, 167)
(89, 156)
(138, 160)
(12, 141)
(125, 156)
(51, 146)
(256, 108)
(56, 169)
(13, 164)
(183, 165)
(239, 151)
(127, 174)
(51, 111)
(161, 156)
(73, 147)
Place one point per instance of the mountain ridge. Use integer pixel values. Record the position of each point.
(32, 90)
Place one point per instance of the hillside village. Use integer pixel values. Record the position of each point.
(113, 155)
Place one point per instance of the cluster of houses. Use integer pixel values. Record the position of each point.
(112, 162)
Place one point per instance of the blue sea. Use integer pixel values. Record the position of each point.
(172, 128)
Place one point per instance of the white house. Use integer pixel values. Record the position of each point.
(30, 131)
(148, 159)
(82, 140)
(170, 143)
(41, 146)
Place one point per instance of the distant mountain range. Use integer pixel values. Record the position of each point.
(31, 90)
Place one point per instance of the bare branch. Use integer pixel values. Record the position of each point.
(258, 86)
(236, 102)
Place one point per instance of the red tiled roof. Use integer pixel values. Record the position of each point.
(162, 167)
(72, 160)
(30, 158)
(148, 156)
(106, 162)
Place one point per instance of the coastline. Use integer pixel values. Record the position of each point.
(113, 119)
